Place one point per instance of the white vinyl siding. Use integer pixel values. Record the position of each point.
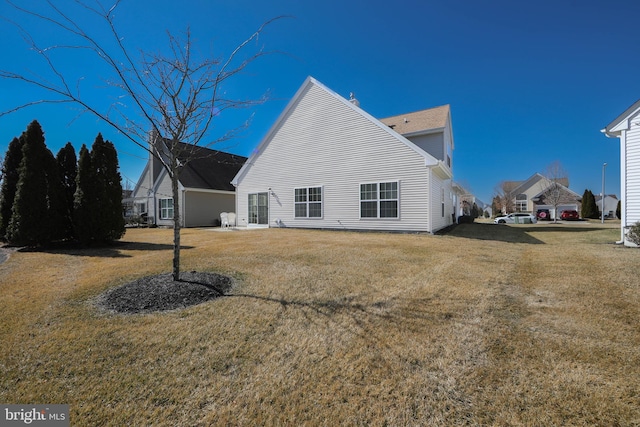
(442, 203)
(431, 143)
(633, 174)
(322, 139)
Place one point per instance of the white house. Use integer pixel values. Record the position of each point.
(204, 185)
(464, 201)
(326, 163)
(626, 127)
(610, 204)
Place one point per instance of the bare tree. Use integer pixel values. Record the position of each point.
(503, 197)
(173, 97)
(553, 187)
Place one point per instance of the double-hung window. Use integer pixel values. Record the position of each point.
(379, 200)
(521, 203)
(308, 202)
(166, 208)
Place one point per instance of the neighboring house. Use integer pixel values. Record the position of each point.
(530, 195)
(204, 185)
(127, 204)
(610, 205)
(326, 163)
(626, 127)
(464, 201)
(461, 200)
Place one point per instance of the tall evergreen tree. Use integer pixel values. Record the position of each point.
(109, 188)
(57, 219)
(584, 209)
(68, 167)
(589, 207)
(29, 223)
(10, 177)
(85, 207)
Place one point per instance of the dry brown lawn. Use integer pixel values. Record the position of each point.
(489, 325)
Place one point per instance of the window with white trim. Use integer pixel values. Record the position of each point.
(308, 202)
(166, 208)
(141, 207)
(521, 202)
(379, 200)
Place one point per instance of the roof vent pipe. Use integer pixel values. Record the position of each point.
(353, 100)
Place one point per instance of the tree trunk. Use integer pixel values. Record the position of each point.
(176, 218)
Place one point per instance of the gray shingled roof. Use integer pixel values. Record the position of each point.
(208, 169)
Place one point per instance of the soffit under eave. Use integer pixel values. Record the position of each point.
(623, 121)
(442, 171)
(207, 190)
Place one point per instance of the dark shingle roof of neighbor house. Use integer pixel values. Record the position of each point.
(208, 169)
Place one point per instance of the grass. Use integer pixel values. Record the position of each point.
(488, 325)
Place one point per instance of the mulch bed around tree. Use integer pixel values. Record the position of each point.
(160, 293)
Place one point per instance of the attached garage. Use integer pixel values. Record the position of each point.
(564, 207)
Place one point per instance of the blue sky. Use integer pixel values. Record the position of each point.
(529, 83)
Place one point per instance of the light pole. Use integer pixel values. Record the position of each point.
(604, 165)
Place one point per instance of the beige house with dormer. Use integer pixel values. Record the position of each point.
(529, 195)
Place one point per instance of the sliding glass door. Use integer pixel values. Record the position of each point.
(259, 208)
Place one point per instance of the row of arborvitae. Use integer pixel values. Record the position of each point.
(46, 199)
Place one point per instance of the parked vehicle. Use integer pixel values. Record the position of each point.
(543, 215)
(516, 218)
(570, 215)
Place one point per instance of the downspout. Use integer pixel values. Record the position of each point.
(623, 185)
(236, 203)
(623, 182)
(155, 208)
(184, 208)
(430, 204)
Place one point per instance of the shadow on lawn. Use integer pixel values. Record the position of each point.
(384, 308)
(362, 318)
(517, 234)
(111, 250)
(498, 232)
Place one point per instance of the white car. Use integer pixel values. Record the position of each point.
(516, 218)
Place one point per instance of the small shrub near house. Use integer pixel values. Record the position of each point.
(634, 233)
